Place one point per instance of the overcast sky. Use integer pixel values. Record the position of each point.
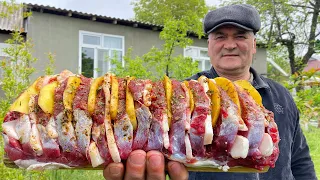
(114, 8)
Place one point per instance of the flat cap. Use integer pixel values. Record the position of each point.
(242, 15)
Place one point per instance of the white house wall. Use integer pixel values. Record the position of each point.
(60, 35)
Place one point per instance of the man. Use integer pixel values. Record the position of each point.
(231, 46)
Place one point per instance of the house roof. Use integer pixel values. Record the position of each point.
(8, 23)
(93, 17)
(313, 64)
(12, 21)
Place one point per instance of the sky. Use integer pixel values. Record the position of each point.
(114, 8)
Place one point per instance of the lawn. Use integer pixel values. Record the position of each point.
(312, 136)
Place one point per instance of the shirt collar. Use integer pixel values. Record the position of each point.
(257, 83)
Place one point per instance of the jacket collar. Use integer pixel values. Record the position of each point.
(258, 81)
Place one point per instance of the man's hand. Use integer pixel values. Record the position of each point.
(142, 165)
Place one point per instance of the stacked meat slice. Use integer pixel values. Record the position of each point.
(73, 121)
(123, 130)
(140, 90)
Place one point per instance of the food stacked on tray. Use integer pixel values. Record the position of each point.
(67, 120)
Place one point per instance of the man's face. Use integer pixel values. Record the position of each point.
(231, 49)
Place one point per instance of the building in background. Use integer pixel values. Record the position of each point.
(81, 41)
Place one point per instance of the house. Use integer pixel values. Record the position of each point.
(80, 41)
(313, 64)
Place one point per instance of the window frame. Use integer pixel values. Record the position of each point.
(198, 58)
(96, 47)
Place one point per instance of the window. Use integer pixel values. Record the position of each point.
(96, 51)
(200, 55)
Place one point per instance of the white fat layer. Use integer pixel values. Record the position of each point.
(39, 166)
(96, 129)
(10, 129)
(82, 129)
(146, 96)
(231, 115)
(204, 163)
(208, 135)
(94, 154)
(114, 152)
(35, 140)
(52, 129)
(188, 147)
(188, 113)
(165, 127)
(240, 148)
(266, 146)
(5, 139)
(204, 84)
(113, 149)
(23, 129)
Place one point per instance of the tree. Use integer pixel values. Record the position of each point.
(307, 98)
(278, 55)
(291, 24)
(180, 20)
(160, 11)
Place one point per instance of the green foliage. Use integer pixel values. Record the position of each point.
(278, 55)
(160, 11)
(288, 23)
(49, 70)
(312, 136)
(11, 8)
(16, 69)
(307, 85)
(178, 19)
(152, 65)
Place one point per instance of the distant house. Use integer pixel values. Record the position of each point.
(313, 64)
(81, 41)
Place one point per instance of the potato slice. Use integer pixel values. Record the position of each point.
(229, 87)
(96, 84)
(231, 90)
(190, 96)
(70, 91)
(215, 101)
(114, 97)
(168, 90)
(21, 104)
(246, 85)
(46, 97)
(130, 105)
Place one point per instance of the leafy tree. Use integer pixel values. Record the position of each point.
(308, 98)
(11, 7)
(160, 11)
(291, 24)
(180, 20)
(49, 70)
(278, 55)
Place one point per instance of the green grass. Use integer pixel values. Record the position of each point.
(312, 136)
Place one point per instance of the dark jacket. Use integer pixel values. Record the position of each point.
(294, 161)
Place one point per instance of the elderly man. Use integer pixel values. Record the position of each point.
(231, 46)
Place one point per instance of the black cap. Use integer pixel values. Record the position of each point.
(242, 15)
